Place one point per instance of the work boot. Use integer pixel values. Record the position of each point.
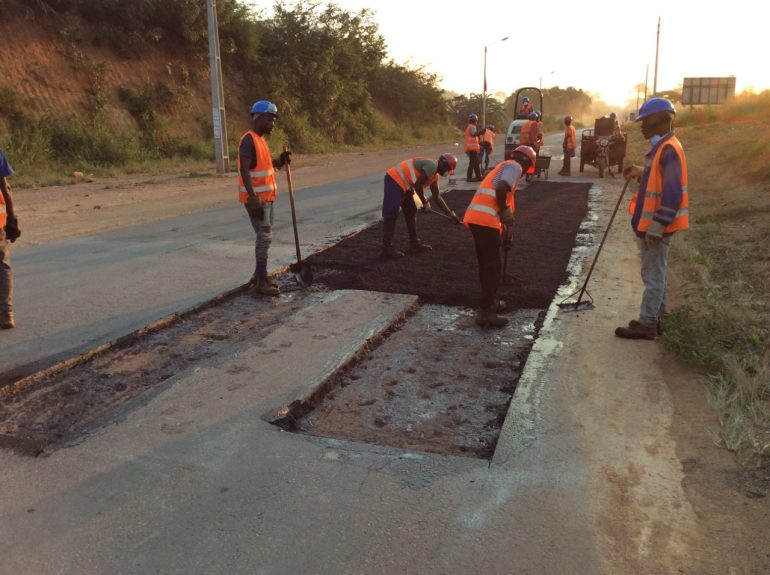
(418, 246)
(487, 317)
(7, 321)
(636, 330)
(635, 323)
(391, 252)
(264, 287)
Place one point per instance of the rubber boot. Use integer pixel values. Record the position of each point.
(487, 317)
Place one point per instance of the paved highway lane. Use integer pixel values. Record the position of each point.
(77, 294)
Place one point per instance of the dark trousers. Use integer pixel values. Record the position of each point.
(395, 200)
(474, 165)
(487, 241)
(6, 276)
(565, 168)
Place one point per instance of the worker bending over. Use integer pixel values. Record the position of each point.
(490, 219)
(402, 182)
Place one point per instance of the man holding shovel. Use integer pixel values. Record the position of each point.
(402, 182)
(257, 188)
(658, 210)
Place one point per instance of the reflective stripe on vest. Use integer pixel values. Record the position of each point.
(471, 142)
(406, 175)
(653, 192)
(483, 209)
(262, 176)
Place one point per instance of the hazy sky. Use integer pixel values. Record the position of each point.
(604, 51)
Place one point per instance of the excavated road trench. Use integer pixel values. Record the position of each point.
(433, 382)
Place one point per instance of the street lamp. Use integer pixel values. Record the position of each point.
(484, 93)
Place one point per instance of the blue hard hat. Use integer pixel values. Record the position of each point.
(654, 105)
(264, 107)
(473, 117)
(533, 115)
(525, 100)
(491, 126)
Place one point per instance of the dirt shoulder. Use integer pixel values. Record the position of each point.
(92, 205)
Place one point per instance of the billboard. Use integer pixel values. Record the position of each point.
(707, 90)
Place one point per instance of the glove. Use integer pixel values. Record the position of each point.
(12, 231)
(654, 234)
(425, 206)
(454, 218)
(506, 217)
(507, 237)
(285, 158)
(255, 208)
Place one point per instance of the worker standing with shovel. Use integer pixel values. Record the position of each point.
(257, 188)
(658, 210)
(490, 219)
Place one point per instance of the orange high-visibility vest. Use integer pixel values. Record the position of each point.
(262, 175)
(654, 190)
(570, 142)
(471, 142)
(406, 175)
(524, 139)
(3, 213)
(483, 209)
(489, 136)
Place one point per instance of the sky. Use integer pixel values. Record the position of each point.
(607, 51)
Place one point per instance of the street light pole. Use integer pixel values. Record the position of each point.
(484, 93)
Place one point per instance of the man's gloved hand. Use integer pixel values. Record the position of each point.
(506, 217)
(425, 206)
(654, 234)
(507, 237)
(284, 158)
(255, 208)
(453, 217)
(12, 231)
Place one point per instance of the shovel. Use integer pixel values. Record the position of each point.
(581, 305)
(302, 273)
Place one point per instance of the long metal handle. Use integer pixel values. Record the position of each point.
(293, 212)
(598, 251)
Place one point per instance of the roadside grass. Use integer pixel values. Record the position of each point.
(721, 321)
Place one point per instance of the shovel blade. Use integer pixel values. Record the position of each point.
(302, 273)
(576, 306)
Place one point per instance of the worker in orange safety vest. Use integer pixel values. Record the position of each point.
(489, 216)
(487, 144)
(257, 188)
(659, 209)
(402, 183)
(9, 232)
(471, 146)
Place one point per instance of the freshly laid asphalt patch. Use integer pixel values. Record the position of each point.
(548, 217)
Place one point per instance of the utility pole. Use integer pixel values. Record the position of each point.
(217, 92)
(484, 93)
(657, 47)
